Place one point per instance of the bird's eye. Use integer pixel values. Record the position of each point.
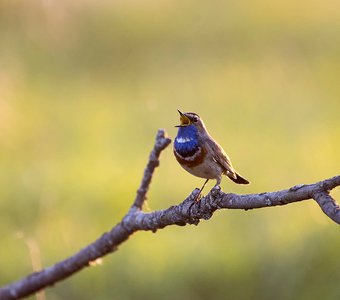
(195, 119)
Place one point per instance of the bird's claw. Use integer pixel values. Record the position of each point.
(215, 191)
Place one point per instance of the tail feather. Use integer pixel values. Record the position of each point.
(239, 179)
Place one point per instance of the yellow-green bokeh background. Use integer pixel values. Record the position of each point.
(84, 86)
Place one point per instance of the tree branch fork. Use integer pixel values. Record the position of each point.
(190, 211)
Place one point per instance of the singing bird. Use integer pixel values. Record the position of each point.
(199, 154)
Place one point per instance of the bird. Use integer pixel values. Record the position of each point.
(199, 154)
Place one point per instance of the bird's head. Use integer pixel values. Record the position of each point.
(191, 119)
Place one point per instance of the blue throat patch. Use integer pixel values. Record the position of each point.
(186, 141)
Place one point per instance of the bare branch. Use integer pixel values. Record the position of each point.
(328, 205)
(189, 211)
(161, 143)
(107, 243)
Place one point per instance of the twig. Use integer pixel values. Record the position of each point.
(161, 143)
(189, 211)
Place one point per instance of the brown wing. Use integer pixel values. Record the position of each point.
(221, 158)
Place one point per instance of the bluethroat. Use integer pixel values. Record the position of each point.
(199, 154)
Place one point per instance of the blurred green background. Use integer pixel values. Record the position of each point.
(84, 86)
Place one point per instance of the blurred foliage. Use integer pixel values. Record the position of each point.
(84, 86)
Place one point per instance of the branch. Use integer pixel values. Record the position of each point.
(189, 211)
(161, 143)
(107, 243)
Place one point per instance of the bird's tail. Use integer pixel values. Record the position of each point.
(239, 179)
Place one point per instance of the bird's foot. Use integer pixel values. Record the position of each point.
(198, 196)
(215, 191)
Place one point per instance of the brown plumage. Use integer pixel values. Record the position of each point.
(199, 154)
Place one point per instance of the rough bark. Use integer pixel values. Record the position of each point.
(190, 211)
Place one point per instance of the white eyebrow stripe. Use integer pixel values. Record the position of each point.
(182, 140)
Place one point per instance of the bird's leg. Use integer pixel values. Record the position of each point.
(205, 182)
(198, 195)
(216, 189)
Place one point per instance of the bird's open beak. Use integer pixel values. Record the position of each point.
(185, 121)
